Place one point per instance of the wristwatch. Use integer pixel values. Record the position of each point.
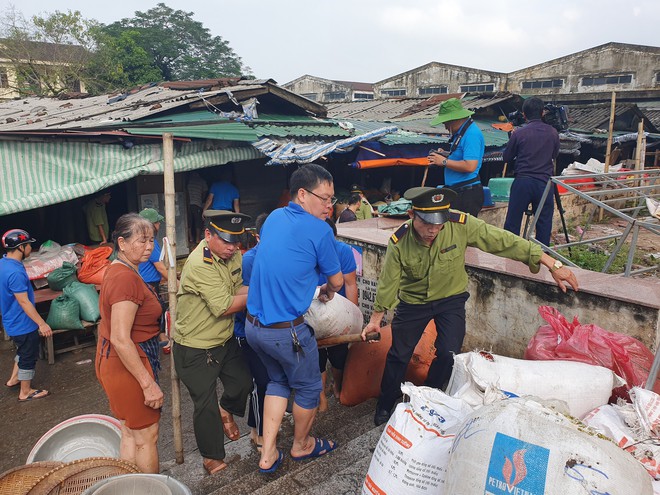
(556, 266)
(444, 162)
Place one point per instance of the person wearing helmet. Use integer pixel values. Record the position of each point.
(20, 318)
(210, 293)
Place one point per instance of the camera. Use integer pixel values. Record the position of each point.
(554, 115)
(516, 118)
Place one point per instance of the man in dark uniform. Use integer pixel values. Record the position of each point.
(210, 293)
(424, 272)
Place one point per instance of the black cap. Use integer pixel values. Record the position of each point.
(228, 225)
(431, 204)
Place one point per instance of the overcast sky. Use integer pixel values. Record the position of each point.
(370, 40)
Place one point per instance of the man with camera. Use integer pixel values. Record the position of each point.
(534, 148)
(463, 161)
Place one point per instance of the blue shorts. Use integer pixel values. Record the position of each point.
(27, 352)
(288, 370)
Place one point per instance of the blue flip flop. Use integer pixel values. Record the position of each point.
(276, 464)
(321, 447)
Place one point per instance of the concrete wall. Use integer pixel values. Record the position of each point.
(309, 85)
(436, 74)
(611, 59)
(502, 312)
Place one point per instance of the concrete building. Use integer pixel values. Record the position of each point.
(435, 78)
(605, 68)
(328, 91)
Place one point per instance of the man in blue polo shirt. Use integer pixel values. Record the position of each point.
(20, 318)
(534, 147)
(296, 247)
(463, 161)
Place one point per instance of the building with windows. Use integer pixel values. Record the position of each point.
(327, 91)
(38, 68)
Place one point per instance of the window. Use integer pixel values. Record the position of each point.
(4, 79)
(603, 80)
(433, 90)
(334, 95)
(310, 96)
(393, 92)
(477, 88)
(548, 83)
(363, 96)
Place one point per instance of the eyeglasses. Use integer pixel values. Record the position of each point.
(331, 200)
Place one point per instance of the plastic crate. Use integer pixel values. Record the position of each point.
(500, 188)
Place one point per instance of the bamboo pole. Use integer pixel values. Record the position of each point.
(170, 222)
(608, 153)
(426, 173)
(640, 150)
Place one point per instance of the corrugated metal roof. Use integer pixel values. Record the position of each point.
(596, 116)
(380, 110)
(395, 138)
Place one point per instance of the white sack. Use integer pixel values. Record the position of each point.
(582, 386)
(412, 453)
(518, 446)
(339, 316)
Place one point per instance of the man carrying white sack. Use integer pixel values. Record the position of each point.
(424, 277)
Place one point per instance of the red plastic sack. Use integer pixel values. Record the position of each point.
(93, 265)
(366, 362)
(623, 354)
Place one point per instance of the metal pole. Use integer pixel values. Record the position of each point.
(170, 222)
(608, 153)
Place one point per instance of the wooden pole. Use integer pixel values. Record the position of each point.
(426, 173)
(608, 153)
(170, 222)
(640, 150)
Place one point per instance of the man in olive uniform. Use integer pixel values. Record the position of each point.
(210, 292)
(365, 210)
(424, 272)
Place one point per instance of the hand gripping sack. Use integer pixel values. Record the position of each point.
(88, 299)
(339, 316)
(59, 278)
(413, 451)
(519, 446)
(64, 314)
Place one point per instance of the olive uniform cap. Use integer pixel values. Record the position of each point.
(431, 204)
(228, 225)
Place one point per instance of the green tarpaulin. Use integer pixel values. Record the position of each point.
(41, 174)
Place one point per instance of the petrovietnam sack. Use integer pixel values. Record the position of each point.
(88, 299)
(413, 451)
(64, 314)
(582, 386)
(339, 316)
(519, 446)
(59, 278)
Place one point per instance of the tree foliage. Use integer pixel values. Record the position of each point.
(179, 46)
(51, 53)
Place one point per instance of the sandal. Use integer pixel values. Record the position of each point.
(212, 466)
(230, 428)
(34, 395)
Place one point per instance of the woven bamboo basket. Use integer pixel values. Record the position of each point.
(75, 477)
(19, 480)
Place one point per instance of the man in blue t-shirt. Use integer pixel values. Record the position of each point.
(296, 246)
(20, 318)
(223, 195)
(463, 161)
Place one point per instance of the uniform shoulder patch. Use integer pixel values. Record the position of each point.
(400, 232)
(457, 217)
(207, 257)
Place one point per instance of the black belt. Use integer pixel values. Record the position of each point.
(466, 188)
(283, 324)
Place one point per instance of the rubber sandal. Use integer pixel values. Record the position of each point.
(35, 395)
(321, 447)
(230, 428)
(212, 466)
(275, 465)
(257, 446)
(15, 385)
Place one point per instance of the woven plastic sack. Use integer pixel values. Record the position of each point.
(623, 354)
(339, 316)
(64, 314)
(94, 264)
(88, 299)
(59, 278)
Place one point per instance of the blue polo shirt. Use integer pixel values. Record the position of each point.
(470, 147)
(295, 248)
(248, 262)
(147, 269)
(224, 194)
(14, 280)
(346, 261)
